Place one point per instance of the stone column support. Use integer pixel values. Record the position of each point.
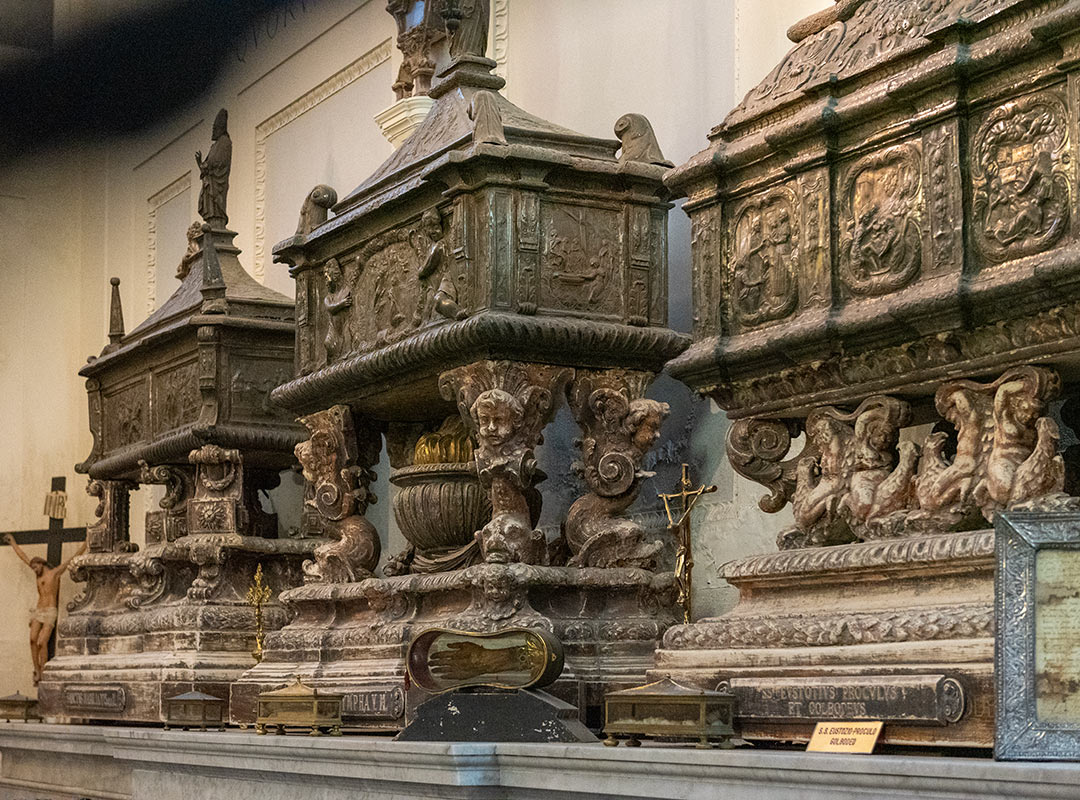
(339, 462)
(619, 426)
(109, 533)
(507, 404)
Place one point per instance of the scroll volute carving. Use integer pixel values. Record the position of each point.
(338, 467)
(756, 449)
(507, 404)
(109, 533)
(178, 485)
(619, 427)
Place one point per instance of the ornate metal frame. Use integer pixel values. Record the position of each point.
(1019, 733)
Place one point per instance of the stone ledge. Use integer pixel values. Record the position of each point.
(178, 766)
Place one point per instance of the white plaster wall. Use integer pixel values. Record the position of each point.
(301, 96)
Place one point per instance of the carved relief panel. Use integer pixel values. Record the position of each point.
(706, 256)
(881, 248)
(176, 399)
(815, 275)
(251, 379)
(126, 415)
(1021, 177)
(581, 257)
(398, 282)
(763, 258)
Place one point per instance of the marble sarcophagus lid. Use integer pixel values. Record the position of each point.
(181, 401)
(495, 266)
(887, 304)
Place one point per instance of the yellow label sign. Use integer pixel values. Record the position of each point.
(844, 737)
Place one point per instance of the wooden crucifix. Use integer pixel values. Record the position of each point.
(687, 498)
(48, 570)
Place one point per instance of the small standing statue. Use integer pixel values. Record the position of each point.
(467, 24)
(446, 302)
(338, 301)
(214, 172)
(684, 554)
(43, 616)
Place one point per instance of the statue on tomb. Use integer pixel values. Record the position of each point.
(194, 231)
(434, 259)
(214, 172)
(43, 616)
(338, 301)
(467, 23)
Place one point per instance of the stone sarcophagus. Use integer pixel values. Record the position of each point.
(181, 401)
(887, 265)
(495, 266)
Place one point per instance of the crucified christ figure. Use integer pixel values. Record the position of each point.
(43, 617)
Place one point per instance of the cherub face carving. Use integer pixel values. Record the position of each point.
(497, 414)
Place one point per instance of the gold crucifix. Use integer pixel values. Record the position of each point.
(258, 594)
(684, 559)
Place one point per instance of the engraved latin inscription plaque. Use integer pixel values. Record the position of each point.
(1057, 636)
(84, 698)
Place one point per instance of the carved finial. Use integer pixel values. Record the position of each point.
(116, 314)
(467, 24)
(316, 208)
(638, 141)
(820, 20)
(487, 119)
(213, 285)
(214, 172)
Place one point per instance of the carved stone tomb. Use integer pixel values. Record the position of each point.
(886, 263)
(494, 266)
(182, 401)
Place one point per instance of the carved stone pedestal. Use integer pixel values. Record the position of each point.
(899, 631)
(352, 638)
(145, 628)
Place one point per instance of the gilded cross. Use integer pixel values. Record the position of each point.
(687, 498)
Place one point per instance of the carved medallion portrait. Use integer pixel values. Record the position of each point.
(1019, 179)
(765, 253)
(881, 250)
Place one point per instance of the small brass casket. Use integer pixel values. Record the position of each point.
(19, 707)
(195, 710)
(299, 706)
(666, 709)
